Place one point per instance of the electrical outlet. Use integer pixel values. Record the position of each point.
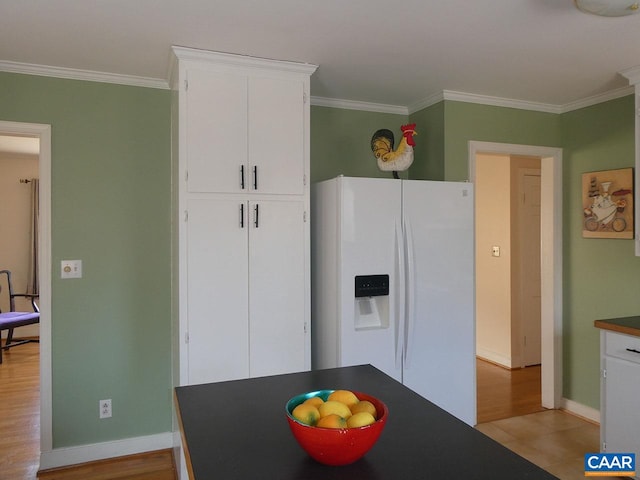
(105, 408)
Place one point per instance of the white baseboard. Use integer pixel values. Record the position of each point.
(493, 357)
(61, 457)
(580, 410)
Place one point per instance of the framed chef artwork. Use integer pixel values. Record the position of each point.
(607, 204)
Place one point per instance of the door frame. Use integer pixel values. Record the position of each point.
(551, 255)
(43, 133)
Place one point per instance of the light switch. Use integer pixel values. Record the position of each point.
(71, 269)
(495, 251)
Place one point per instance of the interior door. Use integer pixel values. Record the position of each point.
(277, 283)
(440, 352)
(217, 286)
(530, 297)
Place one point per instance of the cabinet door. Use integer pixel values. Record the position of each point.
(277, 288)
(216, 131)
(276, 135)
(622, 390)
(217, 284)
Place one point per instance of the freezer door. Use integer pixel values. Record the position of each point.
(369, 231)
(439, 361)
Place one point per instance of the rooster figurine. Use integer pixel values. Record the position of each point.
(388, 159)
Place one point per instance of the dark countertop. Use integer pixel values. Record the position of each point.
(238, 430)
(628, 325)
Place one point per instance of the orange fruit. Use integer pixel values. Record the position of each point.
(306, 413)
(360, 420)
(332, 407)
(364, 406)
(345, 396)
(332, 421)
(315, 401)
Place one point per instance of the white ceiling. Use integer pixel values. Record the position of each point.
(397, 53)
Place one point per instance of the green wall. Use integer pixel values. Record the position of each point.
(341, 142)
(111, 330)
(470, 121)
(428, 161)
(111, 202)
(601, 276)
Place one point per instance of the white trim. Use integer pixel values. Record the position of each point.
(596, 99)
(632, 74)
(580, 410)
(493, 357)
(426, 102)
(551, 253)
(501, 102)
(61, 457)
(43, 132)
(234, 60)
(356, 105)
(88, 75)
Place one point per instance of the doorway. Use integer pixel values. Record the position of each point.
(550, 256)
(42, 133)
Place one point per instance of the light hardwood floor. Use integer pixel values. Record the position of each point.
(509, 411)
(20, 412)
(504, 393)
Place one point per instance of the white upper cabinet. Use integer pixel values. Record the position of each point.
(216, 130)
(276, 147)
(246, 131)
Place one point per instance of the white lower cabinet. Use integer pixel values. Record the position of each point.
(620, 393)
(245, 288)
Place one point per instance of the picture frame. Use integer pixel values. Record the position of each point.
(607, 204)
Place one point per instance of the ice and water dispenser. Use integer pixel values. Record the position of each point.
(371, 302)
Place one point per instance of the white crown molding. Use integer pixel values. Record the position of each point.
(88, 75)
(356, 105)
(481, 100)
(500, 102)
(426, 102)
(594, 100)
(632, 74)
(234, 60)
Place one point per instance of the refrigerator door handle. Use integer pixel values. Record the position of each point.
(399, 290)
(410, 281)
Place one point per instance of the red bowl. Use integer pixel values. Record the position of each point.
(336, 446)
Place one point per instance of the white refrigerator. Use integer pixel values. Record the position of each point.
(393, 284)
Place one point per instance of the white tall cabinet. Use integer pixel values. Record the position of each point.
(241, 226)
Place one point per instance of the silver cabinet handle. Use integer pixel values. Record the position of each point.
(255, 177)
(256, 215)
(633, 350)
(242, 215)
(242, 177)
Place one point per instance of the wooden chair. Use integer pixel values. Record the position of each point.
(13, 319)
